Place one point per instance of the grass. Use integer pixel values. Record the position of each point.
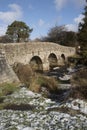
(48, 82)
(35, 81)
(42, 81)
(6, 89)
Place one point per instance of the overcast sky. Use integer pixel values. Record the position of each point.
(41, 15)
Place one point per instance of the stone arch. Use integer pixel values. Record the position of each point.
(53, 61)
(36, 63)
(63, 56)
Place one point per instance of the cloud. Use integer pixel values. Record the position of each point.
(41, 22)
(13, 14)
(60, 4)
(74, 26)
(79, 19)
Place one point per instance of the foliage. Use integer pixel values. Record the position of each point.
(82, 34)
(70, 39)
(60, 35)
(18, 31)
(79, 82)
(54, 34)
(5, 39)
(84, 57)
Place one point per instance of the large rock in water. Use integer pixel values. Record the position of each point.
(6, 73)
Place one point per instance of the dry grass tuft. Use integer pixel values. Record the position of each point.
(36, 82)
(24, 73)
(49, 83)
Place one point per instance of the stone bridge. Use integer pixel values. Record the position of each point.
(40, 55)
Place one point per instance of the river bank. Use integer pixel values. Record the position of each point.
(45, 113)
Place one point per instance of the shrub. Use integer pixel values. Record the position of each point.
(48, 82)
(80, 78)
(24, 73)
(79, 83)
(78, 92)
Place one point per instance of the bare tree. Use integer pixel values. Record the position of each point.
(60, 35)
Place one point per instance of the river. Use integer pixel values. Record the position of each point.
(43, 113)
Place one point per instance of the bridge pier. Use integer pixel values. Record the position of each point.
(46, 66)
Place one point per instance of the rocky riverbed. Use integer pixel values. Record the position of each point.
(39, 113)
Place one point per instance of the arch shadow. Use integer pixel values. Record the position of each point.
(63, 59)
(36, 64)
(53, 61)
(63, 56)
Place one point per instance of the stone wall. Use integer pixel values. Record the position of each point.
(6, 73)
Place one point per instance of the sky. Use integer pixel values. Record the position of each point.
(41, 15)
